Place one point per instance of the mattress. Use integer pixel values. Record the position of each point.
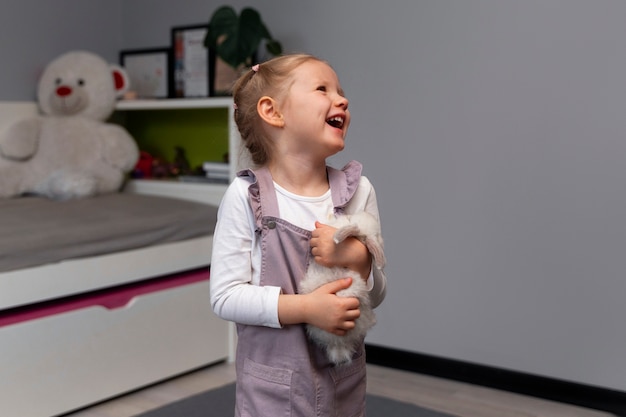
(38, 231)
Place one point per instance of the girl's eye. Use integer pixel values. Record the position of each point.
(321, 88)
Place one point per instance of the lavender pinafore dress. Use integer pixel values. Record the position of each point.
(280, 373)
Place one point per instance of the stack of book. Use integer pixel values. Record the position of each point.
(217, 171)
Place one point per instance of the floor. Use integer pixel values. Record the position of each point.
(455, 398)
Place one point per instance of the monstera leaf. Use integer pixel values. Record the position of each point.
(235, 39)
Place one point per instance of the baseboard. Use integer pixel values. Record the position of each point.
(537, 386)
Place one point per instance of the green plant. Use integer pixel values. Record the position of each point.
(236, 39)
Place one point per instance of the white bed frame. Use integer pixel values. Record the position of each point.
(62, 362)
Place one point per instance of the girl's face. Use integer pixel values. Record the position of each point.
(315, 111)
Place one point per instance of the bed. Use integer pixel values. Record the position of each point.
(101, 296)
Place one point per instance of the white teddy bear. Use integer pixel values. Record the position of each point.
(69, 151)
(340, 349)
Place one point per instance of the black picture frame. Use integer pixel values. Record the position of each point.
(149, 71)
(192, 62)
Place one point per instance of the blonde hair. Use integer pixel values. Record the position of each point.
(267, 79)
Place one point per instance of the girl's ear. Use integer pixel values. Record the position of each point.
(266, 106)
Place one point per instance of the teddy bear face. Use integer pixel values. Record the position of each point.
(78, 84)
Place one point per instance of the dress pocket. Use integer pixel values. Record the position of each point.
(350, 384)
(264, 391)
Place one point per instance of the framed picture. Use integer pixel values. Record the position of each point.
(192, 63)
(224, 76)
(149, 71)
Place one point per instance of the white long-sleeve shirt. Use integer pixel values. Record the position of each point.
(236, 293)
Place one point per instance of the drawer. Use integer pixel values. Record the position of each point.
(56, 363)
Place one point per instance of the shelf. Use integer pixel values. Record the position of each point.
(175, 103)
(193, 123)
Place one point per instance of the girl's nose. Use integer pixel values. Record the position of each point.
(342, 102)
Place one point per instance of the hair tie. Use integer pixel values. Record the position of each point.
(255, 68)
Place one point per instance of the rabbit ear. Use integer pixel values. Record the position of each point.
(375, 247)
(343, 232)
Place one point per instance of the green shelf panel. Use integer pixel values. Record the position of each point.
(203, 133)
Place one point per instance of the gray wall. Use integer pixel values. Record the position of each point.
(33, 32)
(494, 134)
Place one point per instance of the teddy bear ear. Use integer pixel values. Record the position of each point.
(120, 79)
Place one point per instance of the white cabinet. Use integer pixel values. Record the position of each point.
(203, 192)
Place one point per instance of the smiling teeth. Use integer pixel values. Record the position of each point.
(336, 121)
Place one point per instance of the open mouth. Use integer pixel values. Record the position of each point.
(336, 121)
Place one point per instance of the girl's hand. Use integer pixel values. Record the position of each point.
(351, 253)
(321, 308)
(324, 249)
(332, 313)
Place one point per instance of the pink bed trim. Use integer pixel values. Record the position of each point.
(112, 298)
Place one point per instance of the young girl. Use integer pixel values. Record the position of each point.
(292, 114)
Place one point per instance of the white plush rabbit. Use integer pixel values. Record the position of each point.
(340, 349)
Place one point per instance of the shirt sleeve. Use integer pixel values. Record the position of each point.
(233, 294)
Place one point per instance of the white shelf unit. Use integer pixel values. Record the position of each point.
(203, 192)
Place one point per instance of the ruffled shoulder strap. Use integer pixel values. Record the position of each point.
(261, 192)
(343, 183)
